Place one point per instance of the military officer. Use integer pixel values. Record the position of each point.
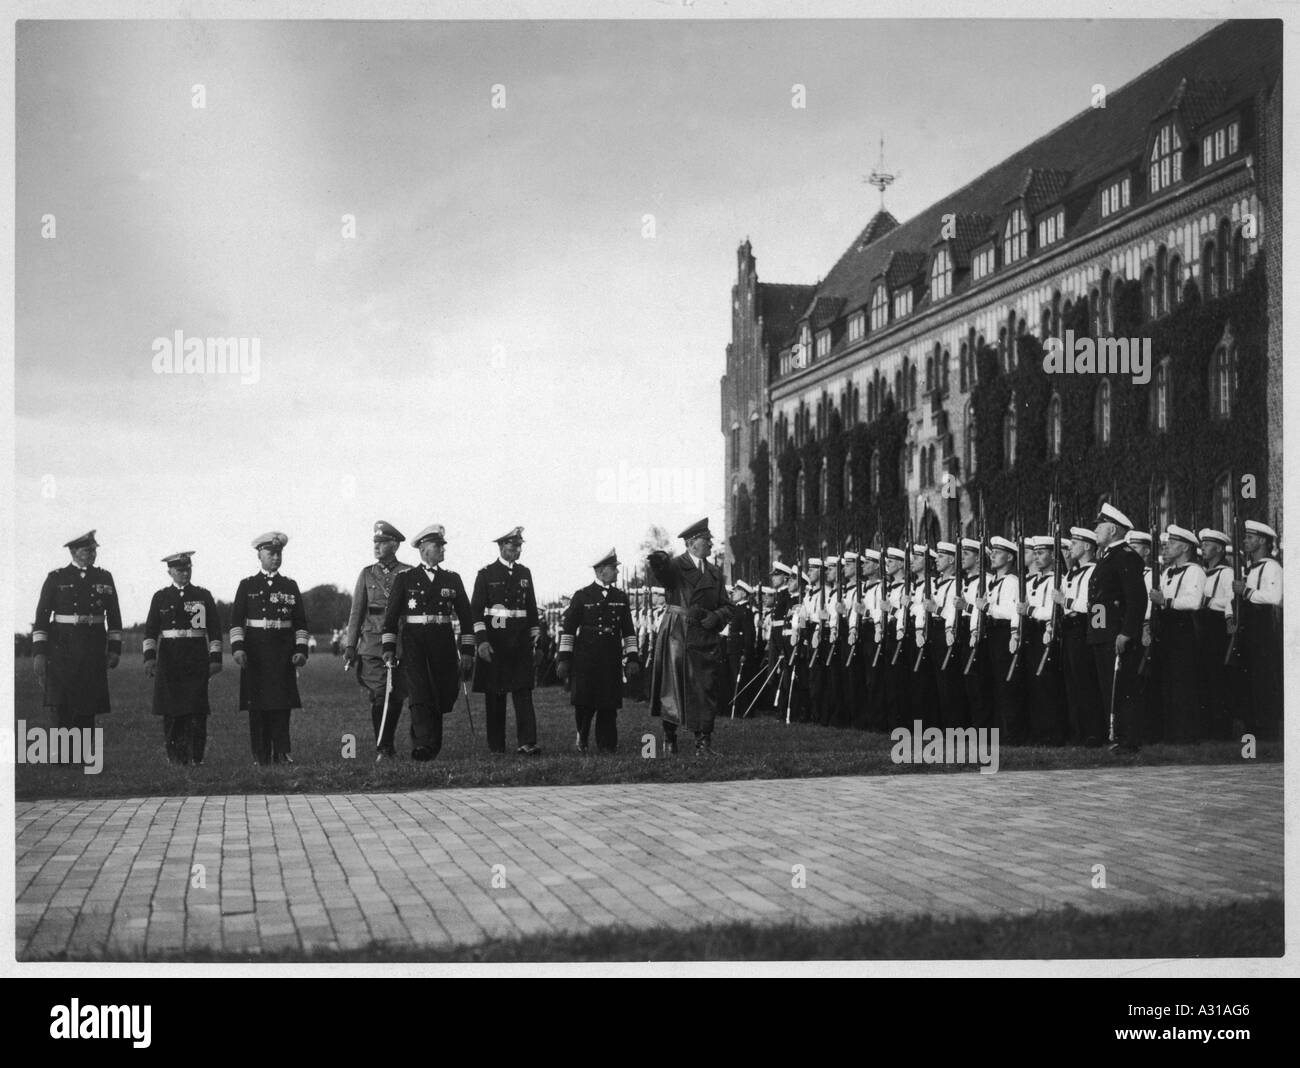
(77, 636)
(424, 606)
(1117, 598)
(1213, 620)
(742, 642)
(364, 641)
(268, 638)
(598, 643)
(1261, 625)
(687, 645)
(182, 649)
(506, 626)
(1178, 602)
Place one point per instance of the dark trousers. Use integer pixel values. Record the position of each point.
(1007, 693)
(63, 717)
(898, 680)
(924, 694)
(953, 710)
(606, 726)
(374, 680)
(1082, 690)
(1212, 646)
(268, 731)
(978, 681)
(1126, 710)
(385, 744)
(186, 738)
(1048, 722)
(525, 719)
(1181, 693)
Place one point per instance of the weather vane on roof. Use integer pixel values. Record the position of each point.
(881, 178)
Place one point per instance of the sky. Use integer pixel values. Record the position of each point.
(464, 313)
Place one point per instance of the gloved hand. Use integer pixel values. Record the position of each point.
(213, 668)
(633, 669)
(113, 659)
(151, 668)
(562, 670)
(485, 651)
(466, 667)
(299, 659)
(241, 658)
(390, 659)
(711, 621)
(38, 666)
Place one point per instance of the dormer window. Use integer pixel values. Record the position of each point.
(1051, 229)
(941, 275)
(1220, 144)
(983, 263)
(823, 344)
(1115, 197)
(1166, 158)
(903, 302)
(1015, 239)
(857, 326)
(879, 309)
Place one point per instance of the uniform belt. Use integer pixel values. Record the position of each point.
(426, 619)
(676, 610)
(507, 613)
(184, 634)
(376, 609)
(604, 632)
(87, 621)
(269, 624)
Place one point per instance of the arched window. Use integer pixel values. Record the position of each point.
(823, 488)
(1004, 351)
(1224, 277)
(1223, 381)
(1045, 324)
(1175, 297)
(1056, 314)
(801, 496)
(1209, 270)
(1162, 281)
(778, 495)
(1112, 323)
(1238, 276)
(929, 374)
(945, 375)
(1150, 305)
(963, 368)
(879, 308)
(1054, 427)
(846, 488)
(1160, 398)
(1223, 502)
(969, 459)
(1107, 325)
(875, 473)
(940, 275)
(1094, 312)
(911, 386)
(1009, 435)
(1101, 414)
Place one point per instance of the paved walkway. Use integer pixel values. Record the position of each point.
(336, 871)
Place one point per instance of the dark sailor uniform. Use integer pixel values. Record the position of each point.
(504, 610)
(78, 625)
(182, 633)
(268, 623)
(598, 636)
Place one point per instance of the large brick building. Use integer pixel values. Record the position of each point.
(909, 383)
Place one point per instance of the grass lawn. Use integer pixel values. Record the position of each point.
(134, 763)
(1236, 929)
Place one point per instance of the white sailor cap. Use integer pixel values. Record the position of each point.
(1254, 526)
(947, 547)
(831, 561)
(1040, 541)
(1184, 535)
(744, 587)
(1135, 536)
(814, 561)
(895, 553)
(1210, 534)
(851, 555)
(1110, 514)
(657, 589)
(1083, 534)
(971, 544)
(999, 542)
(871, 554)
(920, 550)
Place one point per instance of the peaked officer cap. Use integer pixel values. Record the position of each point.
(695, 530)
(1110, 514)
(610, 557)
(433, 532)
(178, 559)
(77, 543)
(387, 532)
(513, 534)
(272, 539)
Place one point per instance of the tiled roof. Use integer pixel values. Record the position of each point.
(1223, 68)
(781, 307)
(825, 311)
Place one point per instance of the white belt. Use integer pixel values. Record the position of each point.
(507, 613)
(185, 634)
(426, 619)
(269, 624)
(85, 620)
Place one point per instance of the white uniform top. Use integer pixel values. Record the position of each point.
(1076, 589)
(872, 605)
(1146, 577)
(1004, 593)
(896, 609)
(1183, 586)
(1217, 594)
(943, 592)
(1264, 582)
(1041, 605)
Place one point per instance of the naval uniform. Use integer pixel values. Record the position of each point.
(75, 605)
(504, 610)
(598, 636)
(1082, 689)
(424, 606)
(1215, 611)
(1116, 596)
(1261, 647)
(364, 642)
(1177, 671)
(183, 634)
(1003, 622)
(972, 641)
(942, 637)
(268, 623)
(1048, 721)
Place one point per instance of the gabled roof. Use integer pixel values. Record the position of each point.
(903, 266)
(825, 311)
(1197, 100)
(1041, 188)
(780, 307)
(1242, 57)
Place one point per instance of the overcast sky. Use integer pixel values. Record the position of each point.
(501, 342)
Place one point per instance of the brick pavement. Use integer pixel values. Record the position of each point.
(118, 878)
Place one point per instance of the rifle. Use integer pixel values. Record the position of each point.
(1018, 566)
(977, 616)
(923, 631)
(794, 643)
(878, 543)
(900, 626)
(857, 600)
(1238, 539)
(1155, 581)
(1058, 618)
